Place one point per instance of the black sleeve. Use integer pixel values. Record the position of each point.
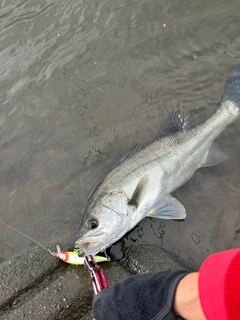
(142, 297)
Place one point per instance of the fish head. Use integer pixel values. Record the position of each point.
(104, 222)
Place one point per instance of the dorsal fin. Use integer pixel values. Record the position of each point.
(173, 122)
(137, 147)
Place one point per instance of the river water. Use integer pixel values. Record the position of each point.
(81, 82)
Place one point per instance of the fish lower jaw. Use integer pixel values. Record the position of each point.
(86, 241)
(85, 252)
(89, 247)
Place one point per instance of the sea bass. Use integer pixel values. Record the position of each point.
(141, 182)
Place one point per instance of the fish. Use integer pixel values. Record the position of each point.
(141, 182)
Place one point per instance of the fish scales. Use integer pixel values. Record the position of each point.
(141, 182)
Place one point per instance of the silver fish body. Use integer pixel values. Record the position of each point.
(142, 181)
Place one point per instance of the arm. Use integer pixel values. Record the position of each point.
(186, 301)
(141, 297)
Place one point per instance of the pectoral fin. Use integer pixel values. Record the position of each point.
(139, 192)
(168, 208)
(213, 157)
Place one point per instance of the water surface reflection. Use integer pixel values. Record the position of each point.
(81, 82)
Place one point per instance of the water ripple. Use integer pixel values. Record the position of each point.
(82, 81)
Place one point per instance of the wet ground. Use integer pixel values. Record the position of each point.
(42, 287)
(81, 82)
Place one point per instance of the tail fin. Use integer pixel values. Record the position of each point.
(232, 86)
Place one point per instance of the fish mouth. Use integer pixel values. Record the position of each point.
(97, 241)
(91, 245)
(97, 236)
(83, 245)
(84, 250)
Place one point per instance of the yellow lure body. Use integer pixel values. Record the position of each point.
(73, 258)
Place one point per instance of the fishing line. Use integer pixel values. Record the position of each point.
(26, 236)
(105, 253)
(85, 249)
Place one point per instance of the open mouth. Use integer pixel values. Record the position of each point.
(81, 245)
(84, 250)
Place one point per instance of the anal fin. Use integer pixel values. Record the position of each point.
(213, 157)
(168, 208)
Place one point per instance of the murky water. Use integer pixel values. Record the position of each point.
(81, 82)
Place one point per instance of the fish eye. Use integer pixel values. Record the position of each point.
(92, 223)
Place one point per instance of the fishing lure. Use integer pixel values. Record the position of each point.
(73, 258)
(69, 257)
